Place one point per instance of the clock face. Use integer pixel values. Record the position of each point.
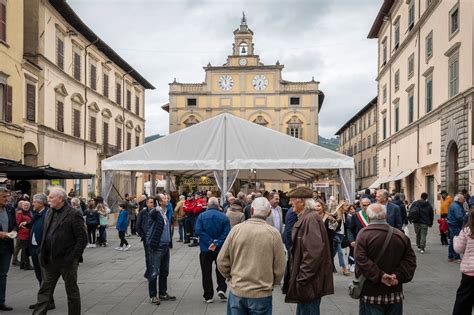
(260, 82)
(226, 82)
(243, 61)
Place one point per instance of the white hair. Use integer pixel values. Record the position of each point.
(261, 207)
(213, 203)
(376, 212)
(310, 204)
(75, 201)
(41, 198)
(59, 191)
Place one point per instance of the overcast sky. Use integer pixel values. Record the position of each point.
(162, 40)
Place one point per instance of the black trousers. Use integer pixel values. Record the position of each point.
(51, 274)
(133, 229)
(464, 296)
(206, 259)
(444, 238)
(37, 267)
(123, 241)
(91, 233)
(189, 221)
(25, 259)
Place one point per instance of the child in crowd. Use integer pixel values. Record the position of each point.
(121, 226)
(443, 229)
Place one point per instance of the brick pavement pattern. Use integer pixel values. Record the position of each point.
(112, 282)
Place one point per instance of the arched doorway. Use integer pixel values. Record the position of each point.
(452, 177)
(30, 158)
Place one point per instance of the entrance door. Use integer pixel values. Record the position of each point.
(451, 169)
(430, 188)
(410, 187)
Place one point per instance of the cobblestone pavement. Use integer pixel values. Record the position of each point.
(112, 282)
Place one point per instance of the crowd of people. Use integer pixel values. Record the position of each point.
(256, 242)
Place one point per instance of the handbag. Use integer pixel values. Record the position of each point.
(355, 288)
(345, 242)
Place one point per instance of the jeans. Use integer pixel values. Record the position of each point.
(51, 274)
(160, 266)
(123, 241)
(249, 306)
(102, 234)
(453, 231)
(464, 296)
(310, 308)
(147, 260)
(181, 229)
(5, 259)
(337, 241)
(380, 309)
(91, 235)
(206, 259)
(420, 230)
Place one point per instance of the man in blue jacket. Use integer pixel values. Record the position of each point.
(212, 227)
(142, 229)
(394, 217)
(455, 223)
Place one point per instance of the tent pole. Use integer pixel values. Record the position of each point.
(224, 174)
(168, 183)
(153, 184)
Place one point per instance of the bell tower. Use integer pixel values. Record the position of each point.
(243, 49)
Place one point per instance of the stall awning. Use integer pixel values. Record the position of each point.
(401, 175)
(24, 172)
(379, 181)
(469, 167)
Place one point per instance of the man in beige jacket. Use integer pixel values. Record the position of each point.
(253, 259)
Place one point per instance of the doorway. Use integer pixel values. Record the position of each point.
(430, 189)
(452, 177)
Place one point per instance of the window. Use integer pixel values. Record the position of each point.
(129, 100)
(60, 50)
(363, 144)
(93, 129)
(384, 162)
(454, 20)
(295, 128)
(429, 94)
(374, 165)
(429, 45)
(428, 3)
(3, 21)
(360, 168)
(243, 49)
(397, 34)
(384, 52)
(454, 75)
(60, 116)
(411, 65)
(105, 133)
(191, 102)
(384, 126)
(365, 123)
(368, 167)
(76, 66)
(363, 168)
(384, 93)
(129, 140)
(30, 102)
(397, 80)
(411, 14)
(294, 100)
(429, 148)
(411, 110)
(137, 141)
(369, 141)
(397, 118)
(118, 93)
(369, 118)
(374, 137)
(6, 104)
(106, 85)
(118, 138)
(137, 105)
(76, 123)
(93, 77)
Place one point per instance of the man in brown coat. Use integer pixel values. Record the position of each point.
(382, 292)
(310, 258)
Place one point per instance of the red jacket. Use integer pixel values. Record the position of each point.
(443, 225)
(23, 216)
(200, 203)
(189, 205)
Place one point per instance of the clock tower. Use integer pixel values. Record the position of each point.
(247, 88)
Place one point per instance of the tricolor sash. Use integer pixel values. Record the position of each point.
(363, 218)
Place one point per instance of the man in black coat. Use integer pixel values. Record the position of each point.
(403, 211)
(7, 224)
(63, 242)
(423, 221)
(394, 218)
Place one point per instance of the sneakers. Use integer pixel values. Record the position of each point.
(93, 245)
(167, 297)
(422, 251)
(118, 248)
(127, 247)
(418, 249)
(352, 268)
(209, 301)
(155, 300)
(222, 296)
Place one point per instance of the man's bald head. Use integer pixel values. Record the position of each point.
(376, 212)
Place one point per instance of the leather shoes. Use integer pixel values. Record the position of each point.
(167, 297)
(28, 268)
(51, 306)
(32, 306)
(4, 307)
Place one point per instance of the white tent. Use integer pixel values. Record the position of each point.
(230, 144)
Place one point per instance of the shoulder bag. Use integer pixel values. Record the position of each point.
(355, 288)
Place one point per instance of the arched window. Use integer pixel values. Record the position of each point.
(260, 121)
(243, 49)
(191, 120)
(295, 128)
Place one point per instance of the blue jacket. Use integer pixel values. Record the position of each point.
(122, 221)
(290, 220)
(36, 226)
(169, 212)
(212, 226)
(394, 217)
(456, 215)
(142, 223)
(154, 229)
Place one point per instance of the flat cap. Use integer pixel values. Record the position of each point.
(300, 192)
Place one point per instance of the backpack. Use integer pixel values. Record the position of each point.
(414, 213)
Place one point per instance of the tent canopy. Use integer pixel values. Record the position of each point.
(244, 145)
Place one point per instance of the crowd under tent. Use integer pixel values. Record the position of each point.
(228, 148)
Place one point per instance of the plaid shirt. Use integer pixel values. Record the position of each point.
(392, 298)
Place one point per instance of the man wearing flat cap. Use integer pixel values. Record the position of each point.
(310, 268)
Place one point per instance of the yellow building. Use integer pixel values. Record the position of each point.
(11, 79)
(247, 88)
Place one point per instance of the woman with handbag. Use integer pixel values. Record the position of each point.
(340, 233)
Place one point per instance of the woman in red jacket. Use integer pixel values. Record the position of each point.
(24, 215)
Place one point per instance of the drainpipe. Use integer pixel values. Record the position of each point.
(123, 109)
(418, 91)
(85, 96)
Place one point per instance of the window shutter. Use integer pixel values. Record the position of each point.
(60, 53)
(60, 116)
(77, 123)
(137, 139)
(9, 104)
(77, 66)
(118, 93)
(30, 102)
(119, 138)
(93, 129)
(93, 77)
(137, 105)
(129, 100)
(106, 85)
(129, 140)
(3, 22)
